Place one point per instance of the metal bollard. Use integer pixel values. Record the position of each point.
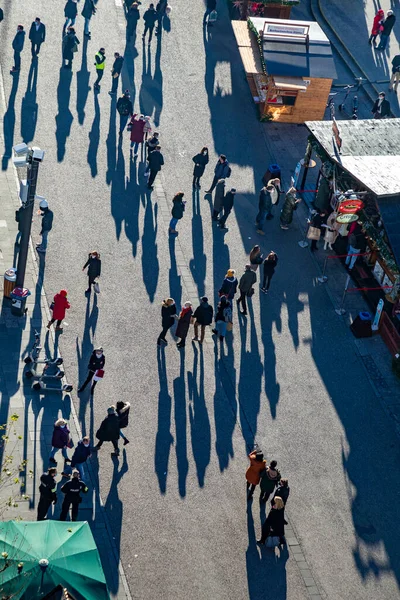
(323, 278)
(341, 311)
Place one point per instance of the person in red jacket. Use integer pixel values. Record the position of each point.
(59, 306)
(137, 132)
(377, 26)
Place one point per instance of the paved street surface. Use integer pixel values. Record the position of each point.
(290, 378)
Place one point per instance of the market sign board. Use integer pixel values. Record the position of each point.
(345, 219)
(350, 206)
(273, 30)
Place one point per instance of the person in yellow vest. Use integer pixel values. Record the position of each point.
(100, 63)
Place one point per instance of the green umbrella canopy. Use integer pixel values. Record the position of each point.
(69, 548)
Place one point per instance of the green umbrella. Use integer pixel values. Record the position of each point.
(52, 553)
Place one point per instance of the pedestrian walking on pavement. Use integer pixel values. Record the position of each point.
(255, 257)
(46, 225)
(115, 74)
(95, 369)
(270, 478)
(229, 285)
(150, 18)
(395, 78)
(223, 317)
(178, 208)
(48, 493)
(59, 306)
(222, 171)
(161, 9)
(247, 280)
(211, 5)
(69, 47)
(314, 229)
(93, 264)
(87, 13)
(264, 207)
(253, 473)
(132, 18)
(18, 46)
(381, 107)
(156, 161)
(289, 206)
(109, 431)
(123, 409)
(274, 525)
(100, 64)
(60, 441)
(204, 316)
(387, 25)
(147, 129)
(37, 35)
(125, 110)
(136, 127)
(184, 321)
(227, 205)
(79, 457)
(377, 26)
(152, 143)
(70, 12)
(269, 267)
(200, 161)
(283, 491)
(72, 490)
(168, 315)
(218, 199)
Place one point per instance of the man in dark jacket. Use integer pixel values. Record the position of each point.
(88, 11)
(80, 456)
(72, 490)
(156, 161)
(395, 78)
(264, 208)
(161, 8)
(125, 109)
(18, 45)
(70, 12)
(357, 245)
(227, 205)
(246, 283)
(116, 72)
(150, 18)
(109, 431)
(47, 225)
(100, 64)
(381, 108)
(47, 489)
(210, 6)
(96, 362)
(222, 171)
(132, 19)
(387, 25)
(37, 35)
(203, 315)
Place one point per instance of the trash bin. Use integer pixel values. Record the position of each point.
(19, 297)
(272, 172)
(10, 277)
(361, 326)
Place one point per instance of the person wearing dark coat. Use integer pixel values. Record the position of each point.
(274, 525)
(264, 207)
(222, 171)
(381, 107)
(289, 206)
(37, 35)
(270, 478)
(69, 43)
(156, 161)
(18, 46)
(115, 75)
(200, 161)
(227, 205)
(123, 409)
(178, 208)
(357, 245)
(184, 320)
(218, 199)
(72, 490)
(48, 493)
(125, 110)
(316, 221)
(109, 431)
(132, 18)
(229, 285)
(204, 316)
(223, 317)
(152, 143)
(70, 12)
(60, 305)
(395, 78)
(283, 491)
(79, 457)
(387, 26)
(150, 18)
(210, 6)
(161, 9)
(96, 363)
(168, 312)
(46, 226)
(88, 11)
(269, 266)
(94, 270)
(246, 283)
(59, 440)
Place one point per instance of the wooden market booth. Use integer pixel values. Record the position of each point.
(289, 67)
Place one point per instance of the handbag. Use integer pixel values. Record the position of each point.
(313, 233)
(250, 293)
(229, 326)
(52, 306)
(272, 541)
(74, 48)
(96, 288)
(70, 443)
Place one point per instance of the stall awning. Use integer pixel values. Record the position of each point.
(248, 48)
(389, 209)
(289, 83)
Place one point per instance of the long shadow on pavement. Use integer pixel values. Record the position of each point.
(198, 264)
(82, 84)
(164, 438)
(150, 94)
(83, 355)
(181, 426)
(29, 107)
(198, 416)
(9, 123)
(94, 137)
(64, 117)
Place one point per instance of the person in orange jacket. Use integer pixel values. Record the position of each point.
(59, 305)
(253, 474)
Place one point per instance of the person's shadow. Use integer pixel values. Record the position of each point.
(29, 107)
(181, 426)
(164, 438)
(64, 117)
(83, 355)
(94, 138)
(198, 264)
(198, 417)
(82, 82)
(9, 123)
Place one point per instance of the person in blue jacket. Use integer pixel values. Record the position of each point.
(18, 46)
(222, 171)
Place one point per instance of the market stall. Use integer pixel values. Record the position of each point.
(289, 67)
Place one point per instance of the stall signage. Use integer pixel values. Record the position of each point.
(379, 309)
(286, 29)
(346, 218)
(350, 206)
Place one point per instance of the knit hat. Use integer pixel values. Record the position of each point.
(43, 204)
(204, 299)
(111, 410)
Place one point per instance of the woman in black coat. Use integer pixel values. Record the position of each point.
(269, 269)
(200, 162)
(96, 363)
(168, 312)
(316, 221)
(109, 431)
(185, 317)
(94, 270)
(274, 525)
(69, 42)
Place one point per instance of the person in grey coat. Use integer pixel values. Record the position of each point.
(246, 283)
(218, 199)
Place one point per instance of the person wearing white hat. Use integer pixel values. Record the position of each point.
(47, 224)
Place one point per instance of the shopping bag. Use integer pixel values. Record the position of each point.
(272, 541)
(52, 306)
(96, 288)
(229, 326)
(313, 233)
(99, 374)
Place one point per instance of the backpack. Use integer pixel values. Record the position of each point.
(229, 171)
(227, 314)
